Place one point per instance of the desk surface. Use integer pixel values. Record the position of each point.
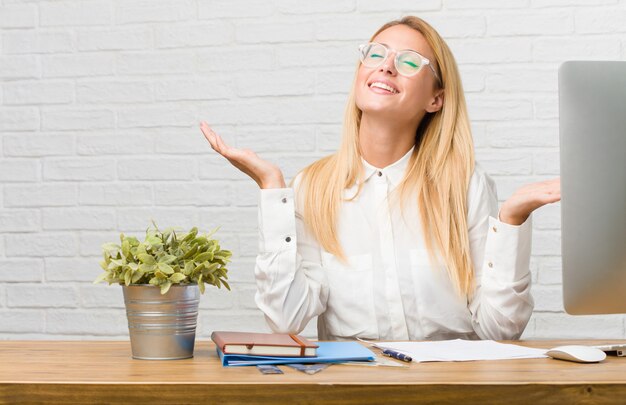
(90, 371)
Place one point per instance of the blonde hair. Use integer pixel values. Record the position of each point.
(438, 171)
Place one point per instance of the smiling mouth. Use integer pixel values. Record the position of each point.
(382, 88)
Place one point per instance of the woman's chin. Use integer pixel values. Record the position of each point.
(377, 103)
(378, 109)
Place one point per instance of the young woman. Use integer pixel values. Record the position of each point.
(397, 235)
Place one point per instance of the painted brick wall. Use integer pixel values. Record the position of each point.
(100, 102)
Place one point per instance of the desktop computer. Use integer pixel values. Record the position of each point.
(592, 131)
(592, 136)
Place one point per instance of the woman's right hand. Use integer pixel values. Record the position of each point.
(266, 174)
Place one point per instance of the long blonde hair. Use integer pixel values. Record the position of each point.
(438, 171)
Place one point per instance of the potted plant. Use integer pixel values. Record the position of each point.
(162, 278)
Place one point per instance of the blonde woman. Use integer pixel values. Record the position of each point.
(397, 235)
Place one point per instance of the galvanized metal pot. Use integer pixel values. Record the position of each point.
(162, 327)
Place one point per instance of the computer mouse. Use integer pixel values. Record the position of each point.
(577, 353)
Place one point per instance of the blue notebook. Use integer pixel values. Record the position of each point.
(327, 352)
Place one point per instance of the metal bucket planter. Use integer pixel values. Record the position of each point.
(162, 327)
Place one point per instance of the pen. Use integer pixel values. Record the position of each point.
(397, 355)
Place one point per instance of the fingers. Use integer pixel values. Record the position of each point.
(224, 149)
(218, 144)
(208, 134)
(214, 139)
(550, 198)
(552, 186)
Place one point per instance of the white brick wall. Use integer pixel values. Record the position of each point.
(99, 108)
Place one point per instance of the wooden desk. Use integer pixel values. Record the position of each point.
(96, 371)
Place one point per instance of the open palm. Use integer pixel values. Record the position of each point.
(528, 198)
(264, 173)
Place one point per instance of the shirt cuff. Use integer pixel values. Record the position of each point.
(277, 223)
(507, 251)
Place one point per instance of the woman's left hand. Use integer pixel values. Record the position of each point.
(526, 199)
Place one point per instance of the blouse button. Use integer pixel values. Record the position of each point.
(284, 200)
(380, 173)
(495, 229)
(490, 264)
(288, 238)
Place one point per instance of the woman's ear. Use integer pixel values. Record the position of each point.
(436, 102)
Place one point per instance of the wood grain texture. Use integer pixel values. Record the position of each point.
(97, 371)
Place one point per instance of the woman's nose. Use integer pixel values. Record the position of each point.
(388, 65)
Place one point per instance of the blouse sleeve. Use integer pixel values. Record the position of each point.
(291, 286)
(501, 304)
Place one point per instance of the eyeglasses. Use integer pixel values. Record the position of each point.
(408, 63)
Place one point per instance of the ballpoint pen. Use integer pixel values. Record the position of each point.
(397, 355)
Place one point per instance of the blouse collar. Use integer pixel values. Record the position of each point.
(394, 172)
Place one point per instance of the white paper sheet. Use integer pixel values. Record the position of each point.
(462, 350)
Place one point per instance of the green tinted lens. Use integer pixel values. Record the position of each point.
(373, 55)
(409, 63)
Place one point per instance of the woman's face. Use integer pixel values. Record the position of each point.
(414, 95)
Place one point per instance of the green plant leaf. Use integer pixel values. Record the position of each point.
(167, 259)
(165, 268)
(165, 287)
(112, 266)
(211, 267)
(147, 268)
(191, 252)
(132, 240)
(110, 247)
(136, 276)
(188, 268)
(226, 285)
(101, 278)
(201, 284)
(125, 247)
(166, 234)
(201, 240)
(153, 240)
(212, 232)
(203, 257)
(146, 258)
(177, 277)
(198, 269)
(141, 249)
(191, 235)
(224, 259)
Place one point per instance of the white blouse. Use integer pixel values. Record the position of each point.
(390, 290)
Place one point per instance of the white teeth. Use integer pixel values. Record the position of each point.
(383, 86)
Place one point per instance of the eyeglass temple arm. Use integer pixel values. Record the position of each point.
(430, 65)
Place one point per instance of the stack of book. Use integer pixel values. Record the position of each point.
(251, 349)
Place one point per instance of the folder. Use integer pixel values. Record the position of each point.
(327, 352)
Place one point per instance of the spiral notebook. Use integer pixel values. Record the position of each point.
(327, 352)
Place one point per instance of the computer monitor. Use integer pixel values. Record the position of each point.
(592, 132)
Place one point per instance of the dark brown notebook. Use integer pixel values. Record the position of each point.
(264, 344)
